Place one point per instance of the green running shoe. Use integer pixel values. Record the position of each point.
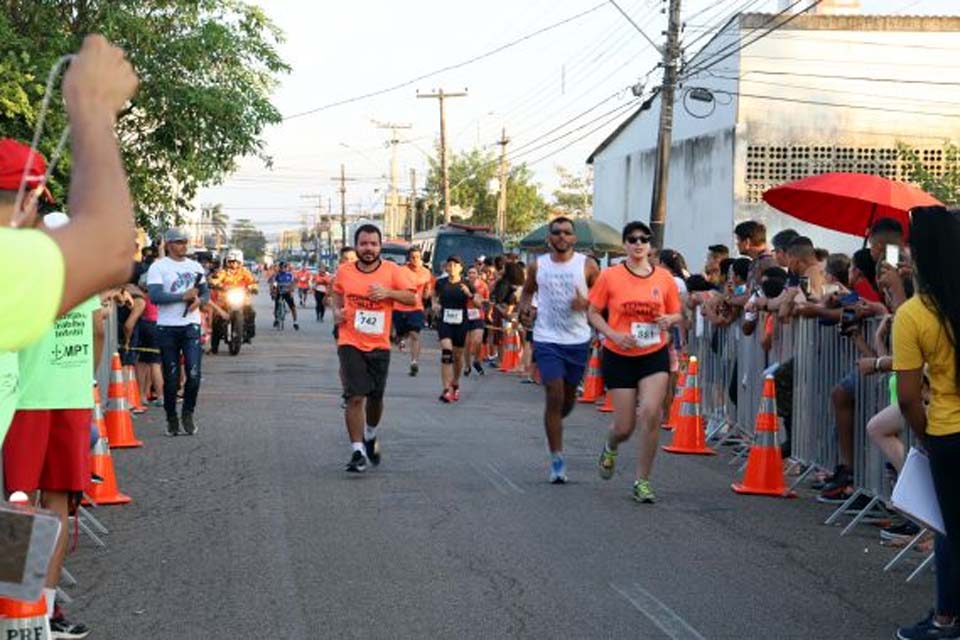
(643, 492)
(608, 463)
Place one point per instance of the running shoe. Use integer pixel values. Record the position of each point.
(928, 629)
(139, 411)
(643, 492)
(372, 448)
(455, 393)
(558, 471)
(62, 628)
(906, 530)
(173, 426)
(608, 463)
(466, 372)
(478, 368)
(189, 427)
(358, 463)
(414, 369)
(296, 327)
(446, 397)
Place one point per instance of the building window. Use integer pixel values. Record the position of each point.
(770, 165)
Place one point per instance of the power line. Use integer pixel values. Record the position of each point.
(942, 83)
(618, 110)
(720, 23)
(635, 25)
(451, 67)
(581, 138)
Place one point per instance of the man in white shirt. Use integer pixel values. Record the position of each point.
(178, 286)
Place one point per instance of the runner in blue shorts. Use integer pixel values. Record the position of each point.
(561, 334)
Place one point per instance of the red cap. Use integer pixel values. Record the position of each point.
(13, 160)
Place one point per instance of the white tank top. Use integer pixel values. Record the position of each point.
(557, 284)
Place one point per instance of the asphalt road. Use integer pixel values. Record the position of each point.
(251, 529)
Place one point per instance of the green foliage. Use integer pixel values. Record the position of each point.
(470, 175)
(945, 187)
(249, 239)
(214, 224)
(206, 70)
(574, 198)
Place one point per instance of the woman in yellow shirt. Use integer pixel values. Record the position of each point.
(926, 333)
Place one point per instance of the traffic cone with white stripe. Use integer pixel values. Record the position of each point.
(593, 380)
(764, 473)
(101, 464)
(607, 406)
(133, 390)
(119, 422)
(690, 437)
(511, 351)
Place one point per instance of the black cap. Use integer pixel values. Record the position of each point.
(455, 258)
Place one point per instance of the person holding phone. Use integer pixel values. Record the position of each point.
(178, 286)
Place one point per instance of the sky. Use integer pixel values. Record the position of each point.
(536, 89)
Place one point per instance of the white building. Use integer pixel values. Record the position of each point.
(821, 93)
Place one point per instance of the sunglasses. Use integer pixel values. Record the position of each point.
(640, 239)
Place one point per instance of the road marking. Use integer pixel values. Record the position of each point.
(504, 478)
(491, 480)
(666, 619)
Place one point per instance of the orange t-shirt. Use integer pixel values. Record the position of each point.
(421, 277)
(634, 304)
(366, 322)
(321, 281)
(474, 312)
(303, 279)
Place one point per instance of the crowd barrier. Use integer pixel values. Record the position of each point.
(808, 360)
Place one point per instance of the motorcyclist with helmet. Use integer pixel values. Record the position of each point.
(236, 276)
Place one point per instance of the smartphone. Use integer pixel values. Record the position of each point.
(893, 255)
(805, 285)
(830, 289)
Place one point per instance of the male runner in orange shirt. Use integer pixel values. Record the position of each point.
(409, 319)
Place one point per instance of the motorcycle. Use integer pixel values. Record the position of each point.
(231, 330)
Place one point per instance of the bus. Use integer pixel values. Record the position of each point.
(468, 242)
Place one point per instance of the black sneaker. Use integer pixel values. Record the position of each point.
(62, 628)
(906, 530)
(189, 427)
(927, 629)
(173, 426)
(372, 448)
(296, 327)
(358, 463)
(478, 368)
(414, 369)
(839, 489)
(466, 372)
(820, 485)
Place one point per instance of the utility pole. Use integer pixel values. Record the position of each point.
(441, 96)
(343, 179)
(315, 229)
(502, 199)
(392, 210)
(661, 177)
(412, 206)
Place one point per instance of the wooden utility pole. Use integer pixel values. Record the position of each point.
(392, 212)
(661, 178)
(441, 96)
(343, 179)
(412, 206)
(503, 175)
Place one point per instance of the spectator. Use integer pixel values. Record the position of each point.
(805, 267)
(837, 273)
(712, 269)
(177, 286)
(149, 372)
(926, 335)
(781, 242)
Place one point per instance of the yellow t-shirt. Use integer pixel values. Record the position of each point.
(918, 339)
(32, 286)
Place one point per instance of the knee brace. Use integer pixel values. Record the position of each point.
(446, 356)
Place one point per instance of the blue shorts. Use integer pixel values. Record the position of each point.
(567, 361)
(408, 322)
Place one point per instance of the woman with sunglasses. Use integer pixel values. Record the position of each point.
(642, 303)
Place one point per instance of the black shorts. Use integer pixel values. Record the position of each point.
(456, 333)
(475, 325)
(363, 373)
(625, 372)
(149, 347)
(407, 322)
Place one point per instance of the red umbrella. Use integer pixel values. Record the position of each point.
(847, 202)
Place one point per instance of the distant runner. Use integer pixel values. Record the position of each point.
(561, 335)
(476, 322)
(453, 297)
(364, 293)
(409, 320)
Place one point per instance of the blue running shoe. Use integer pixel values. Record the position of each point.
(558, 471)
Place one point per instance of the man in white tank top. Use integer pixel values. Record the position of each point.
(561, 332)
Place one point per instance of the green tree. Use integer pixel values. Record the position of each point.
(206, 70)
(249, 239)
(471, 173)
(945, 187)
(574, 197)
(215, 225)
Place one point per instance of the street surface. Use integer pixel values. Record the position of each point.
(253, 530)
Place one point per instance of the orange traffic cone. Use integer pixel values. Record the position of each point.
(119, 423)
(27, 620)
(764, 474)
(133, 390)
(673, 420)
(101, 464)
(593, 380)
(607, 406)
(511, 351)
(689, 436)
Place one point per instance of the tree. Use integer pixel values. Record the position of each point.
(946, 187)
(574, 197)
(214, 223)
(206, 70)
(249, 239)
(471, 173)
